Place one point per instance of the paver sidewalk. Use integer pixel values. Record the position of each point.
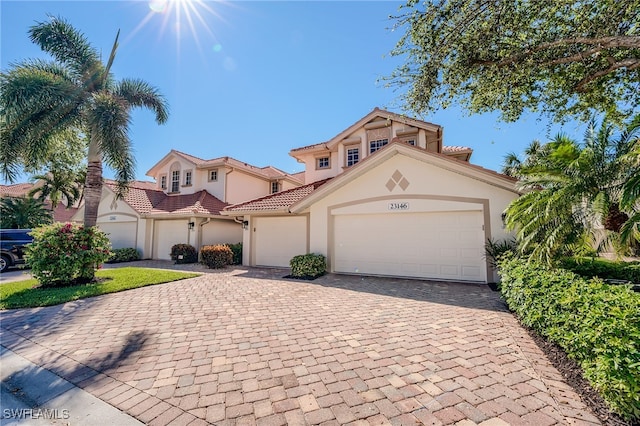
(246, 347)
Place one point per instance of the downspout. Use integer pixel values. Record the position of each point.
(199, 236)
(226, 175)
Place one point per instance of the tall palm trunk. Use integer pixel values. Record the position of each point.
(93, 185)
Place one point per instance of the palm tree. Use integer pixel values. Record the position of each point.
(23, 213)
(39, 99)
(572, 190)
(56, 186)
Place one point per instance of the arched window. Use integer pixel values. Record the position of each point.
(175, 177)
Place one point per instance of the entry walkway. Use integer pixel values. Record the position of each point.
(244, 346)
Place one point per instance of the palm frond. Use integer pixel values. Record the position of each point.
(139, 93)
(68, 46)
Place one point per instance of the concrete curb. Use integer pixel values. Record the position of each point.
(32, 395)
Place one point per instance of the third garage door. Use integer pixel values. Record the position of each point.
(436, 245)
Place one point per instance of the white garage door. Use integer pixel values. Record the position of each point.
(121, 234)
(278, 239)
(442, 245)
(167, 233)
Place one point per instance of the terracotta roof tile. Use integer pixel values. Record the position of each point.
(453, 148)
(199, 203)
(279, 200)
(15, 190)
(145, 199)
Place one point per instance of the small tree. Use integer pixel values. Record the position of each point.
(64, 254)
(23, 213)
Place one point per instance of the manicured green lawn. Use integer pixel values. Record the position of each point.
(27, 294)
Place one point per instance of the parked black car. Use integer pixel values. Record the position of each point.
(13, 242)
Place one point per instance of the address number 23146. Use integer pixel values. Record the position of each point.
(399, 206)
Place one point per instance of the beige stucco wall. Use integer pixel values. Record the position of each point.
(424, 139)
(112, 212)
(244, 187)
(431, 188)
(221, 232)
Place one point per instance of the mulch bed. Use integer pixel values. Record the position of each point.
(572, 373)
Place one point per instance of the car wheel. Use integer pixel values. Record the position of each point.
(4, 263)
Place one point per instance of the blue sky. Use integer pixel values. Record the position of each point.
(253, 80)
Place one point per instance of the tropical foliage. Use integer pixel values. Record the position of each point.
(23, 213)
(563, 58)
(64, 254)
(40, 100)
(598, 325)
(57, 186)
(573, 191)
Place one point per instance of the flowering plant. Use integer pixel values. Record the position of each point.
(63, 254)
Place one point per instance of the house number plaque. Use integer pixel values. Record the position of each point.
(399, 206)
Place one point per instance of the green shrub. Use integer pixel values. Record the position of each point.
(64, 254)
(603, 268)
(184, 253)
(494, 249)
(597, 324)
(216, 256)
(123, 255)
(310, 265)
(237, 253)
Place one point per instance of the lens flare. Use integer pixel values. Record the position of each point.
(158, 6)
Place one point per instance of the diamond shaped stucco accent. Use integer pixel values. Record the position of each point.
(397, 180)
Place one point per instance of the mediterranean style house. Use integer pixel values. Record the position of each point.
(382, 197)
(184, 204)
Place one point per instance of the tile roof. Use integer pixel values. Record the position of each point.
(278, 201)
(145, 199)
(455, 149)
(268, 172)
(62, 213)
(377, 112)
(15, 190)
(200, 202)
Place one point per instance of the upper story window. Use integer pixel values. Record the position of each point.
(275, 187)
(175, 181)
(163, 182)
(213, 175)
(322, 163)
(411, 142)
(377, 144)
(353, 156)
(188, 178)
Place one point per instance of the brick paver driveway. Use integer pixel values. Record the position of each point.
(246, 347)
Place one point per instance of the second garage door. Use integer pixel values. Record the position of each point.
(278, 239)
(441, 245)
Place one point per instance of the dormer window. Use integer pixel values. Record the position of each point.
(377, 144)
(163, 182)
(175, 181)
(322, 163)
(213, 175)
(275, 186)
(353, 155)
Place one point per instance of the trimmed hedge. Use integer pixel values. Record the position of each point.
(603, 268)
(310, 265)
(128, 254)
(184, 253)
(596, 324)
(237, 253)
(216, 256)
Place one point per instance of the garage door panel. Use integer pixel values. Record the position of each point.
(278, 239)
(167, 234)
(120, 234)
(441, 245)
